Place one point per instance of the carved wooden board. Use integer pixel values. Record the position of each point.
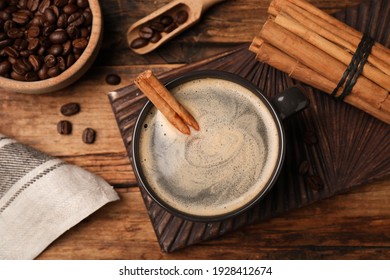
(331, 147)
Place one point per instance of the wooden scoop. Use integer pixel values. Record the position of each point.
(194, 8)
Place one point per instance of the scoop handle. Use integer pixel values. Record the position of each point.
(208, 3)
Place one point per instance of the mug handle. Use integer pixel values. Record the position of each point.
(289, 102)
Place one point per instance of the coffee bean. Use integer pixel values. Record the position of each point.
(82, 4)
(44, 42)
(84, 32)
(170, 27)
(60, 3)
(12, 60)
(157, 26)
(80, 43)
(76, 19)
(32, 5)
(36, 21)
(139, 43)
(76, 52)
(166, 20)
(49, 17)
(17, 76)
(89, 136)
(15, 33)
(64, 127)
(113, 79)
(70, 109)
(5, 67)
(25, 53)
(11, 51)
(62, 21)
(61, 63)
(72, 31)
(35, 61)
(5, 43)
(181, 17)
(55, 50)
(31, 76)
(21, 16)
(47, 30)
(8, 25)
(146, 32)
(43, 6)
(54, 71)
(70, 60)
(50, 60)
(41, 51)
(42, 73)
(4, 16)
(20, 44)
(70, 9)
(33, 44)
(22, 4)
(156, 37)
(67, 48)
(55, 10)
(88, 17)
(34, 31)
(22, 66)
(59, 36)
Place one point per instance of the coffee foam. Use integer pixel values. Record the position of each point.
(221, 167)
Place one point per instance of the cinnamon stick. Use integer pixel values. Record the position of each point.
(332, 49)
(316, 59)
(282, 61)
(285, 63)
(315, 48)
(336, 31)
(326, 17)
(164, 101)
(340, 25)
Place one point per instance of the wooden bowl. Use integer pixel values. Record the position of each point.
(73, 73)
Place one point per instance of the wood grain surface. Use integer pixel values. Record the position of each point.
(355, 225)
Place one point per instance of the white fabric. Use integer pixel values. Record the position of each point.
(44, 202)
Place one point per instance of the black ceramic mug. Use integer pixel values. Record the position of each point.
(230, 163)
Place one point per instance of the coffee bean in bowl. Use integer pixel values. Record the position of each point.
(46, 45)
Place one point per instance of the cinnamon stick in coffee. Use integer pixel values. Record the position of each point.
(164, 101)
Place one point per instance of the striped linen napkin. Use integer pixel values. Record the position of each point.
(41, 197)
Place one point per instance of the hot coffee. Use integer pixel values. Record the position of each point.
(223, 166)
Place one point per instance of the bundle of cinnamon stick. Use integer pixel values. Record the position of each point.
(315, 48)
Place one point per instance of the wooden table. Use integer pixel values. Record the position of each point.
(355, 225)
